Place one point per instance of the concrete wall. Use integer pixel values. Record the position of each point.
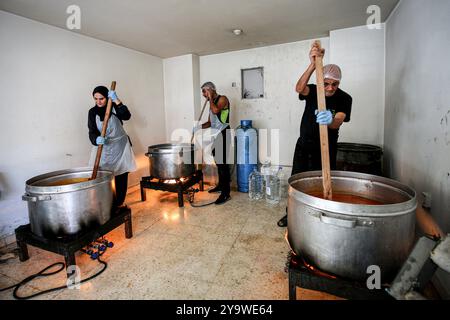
(417, 119)
(46, 78)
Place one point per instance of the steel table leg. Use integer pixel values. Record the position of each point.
(180, 199)
(128, 227)
(143, 195)
(69, 257)
(292, 285)
(23, 251)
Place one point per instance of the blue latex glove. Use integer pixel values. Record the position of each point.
(324, 117)
(101, 140)
(112, 94)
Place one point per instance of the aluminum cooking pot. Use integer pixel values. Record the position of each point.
(171, 161)
(345, 239)
(58, 210)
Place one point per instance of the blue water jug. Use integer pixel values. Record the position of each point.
(246, 153)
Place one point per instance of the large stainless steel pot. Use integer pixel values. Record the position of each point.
(345, 239)
(58, 211)
(171, 161)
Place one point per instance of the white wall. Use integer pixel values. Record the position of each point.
(417, 119)
(417, 122)
(280, 108)
(46, 78)
(360, 54)
(181, 97)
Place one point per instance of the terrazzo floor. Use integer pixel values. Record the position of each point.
(232, 251)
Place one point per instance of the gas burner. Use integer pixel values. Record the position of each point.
(304, 275)
(295, 261)
(67, 246)
(181, 185)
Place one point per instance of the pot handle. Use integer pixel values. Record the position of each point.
(27, 197)
(337, 222)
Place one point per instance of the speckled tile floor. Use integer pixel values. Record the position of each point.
(232, 251)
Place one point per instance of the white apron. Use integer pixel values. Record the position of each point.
(216, 124)
(210, 136)
(117, 154)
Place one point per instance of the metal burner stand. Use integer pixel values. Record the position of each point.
(180, 187)
(302, 276)
(69, 245)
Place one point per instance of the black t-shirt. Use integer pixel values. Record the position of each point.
(339, 102)
(120, 111)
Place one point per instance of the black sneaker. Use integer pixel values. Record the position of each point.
(222, 199)
(215, 190)
(282, 222)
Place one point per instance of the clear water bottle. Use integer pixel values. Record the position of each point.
(273, 186)
(266, 172)
(255, 184)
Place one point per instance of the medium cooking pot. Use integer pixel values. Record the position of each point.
(58, 210)
(358, 157)
(171, 161)
(343, 238)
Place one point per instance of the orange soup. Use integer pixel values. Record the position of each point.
(347, 198)
(67, 181)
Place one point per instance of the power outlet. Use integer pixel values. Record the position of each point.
(426, 200)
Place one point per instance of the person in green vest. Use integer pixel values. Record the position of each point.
(219, 122)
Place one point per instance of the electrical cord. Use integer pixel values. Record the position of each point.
(43, 274)
(39, 274)
(191, 200)
(201, 205)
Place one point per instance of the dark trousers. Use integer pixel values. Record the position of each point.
(307, 156)
(121, 182)
(220, 152)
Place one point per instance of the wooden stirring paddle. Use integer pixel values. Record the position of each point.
(324, 147)
(105, 126)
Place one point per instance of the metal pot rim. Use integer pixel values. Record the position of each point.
(348, 209)
(170, 148)
(104, 176)
(358, 147)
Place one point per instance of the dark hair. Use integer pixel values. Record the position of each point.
(102, 90)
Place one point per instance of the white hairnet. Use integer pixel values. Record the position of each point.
(209, 85)
(332, 71)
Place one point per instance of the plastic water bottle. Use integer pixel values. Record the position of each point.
(273, 187)
(266, 172)
(255, 183)
(246, 153)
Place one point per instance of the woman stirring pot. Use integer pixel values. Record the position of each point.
(117, 155)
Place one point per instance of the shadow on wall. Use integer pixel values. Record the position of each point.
(3, 185)
(392, 119)
(387, 163)
(132, 131)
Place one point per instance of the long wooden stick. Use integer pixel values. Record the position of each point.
(105, 126)
(324, 147)
(200, 118)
